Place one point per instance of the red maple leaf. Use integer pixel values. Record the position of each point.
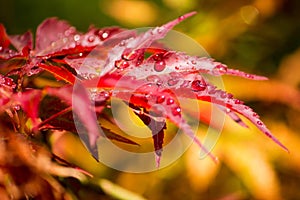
(111, 62)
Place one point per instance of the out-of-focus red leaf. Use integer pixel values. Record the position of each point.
(4, 40)
(29, 102)
(22, 41)
(78, 98)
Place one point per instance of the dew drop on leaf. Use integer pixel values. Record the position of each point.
(159, 66)
(223, 94)
(157, 56)
(198, 85)
(237, 101)
(170, 101)
(122, 43)
(100, 97)
(249, 76)
(91, 76)
(70, 31)
(229, 95)
(219, 70)
(121, 64)
(76, 37)
(103, 34)
(91, 38)
(159, 30)
(176, 111)
(259, 123)
(8, 81)
(160, 99)
(129, 54)
(16, 107)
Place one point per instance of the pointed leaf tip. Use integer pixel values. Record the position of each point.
(157, 160)
(173, 23)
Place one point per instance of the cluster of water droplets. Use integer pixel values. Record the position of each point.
(7, 82)
(99, 97)
(70, 38)
(7, 53)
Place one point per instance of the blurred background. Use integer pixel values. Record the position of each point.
(257, 36)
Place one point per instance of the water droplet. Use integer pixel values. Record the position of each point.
(80, 54)
(170, 101)
(129, 54)
(160, 99)
(237, 101)
(172, 82)
(102, 34)
(100, 97)
(198, 85)
(121, 64)
(157, 56)
(223, 94)
(8, 81)
(65, 40)
(148, 96)
(259, 123)
(140, 60)
(193, 62)
(29, 73)
(159, 31)
(122, 43)
(176, 111)
(1, 48)
(16, 107)
(229, 95)
(176, 67)
(180, 18)
(255, 115)
(219, 70)
(91, 76)
(91, 38)
(249, 76)
(159, 66)
(53, 44)
(70, 31)
(76, 37)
